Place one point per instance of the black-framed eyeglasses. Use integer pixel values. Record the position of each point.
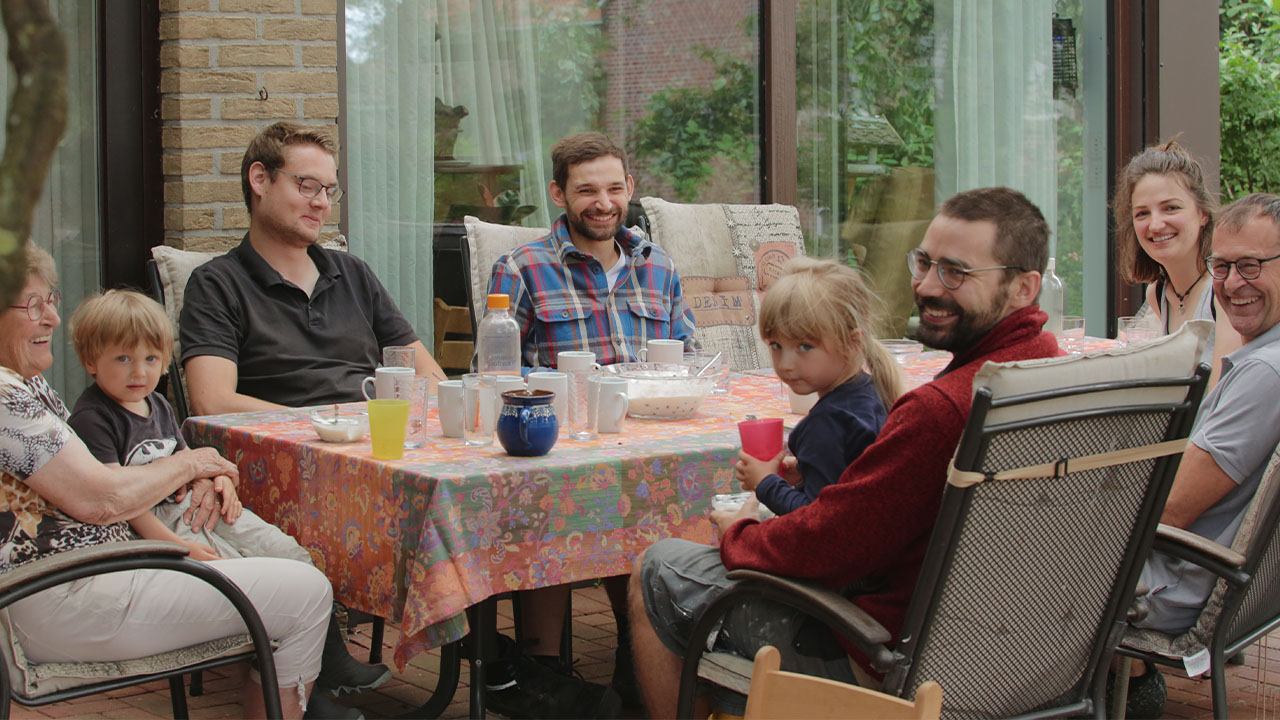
(950, 274)
(1249, 268)
(36, 304)
(310, 187)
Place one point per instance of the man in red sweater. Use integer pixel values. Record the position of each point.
(976, 277)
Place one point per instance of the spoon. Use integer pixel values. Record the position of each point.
(707, 367)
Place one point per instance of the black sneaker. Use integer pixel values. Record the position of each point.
(347, 675)
(1146, 697)
(1147, 694)
(520, 687)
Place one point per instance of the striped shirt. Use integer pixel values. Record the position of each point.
(562, 300)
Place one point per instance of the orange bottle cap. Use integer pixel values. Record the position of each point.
(499, 301)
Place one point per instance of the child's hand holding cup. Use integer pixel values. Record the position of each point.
(761, 450)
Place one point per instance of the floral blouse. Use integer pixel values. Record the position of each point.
(33, 430)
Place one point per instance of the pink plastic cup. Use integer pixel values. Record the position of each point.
(762, 438)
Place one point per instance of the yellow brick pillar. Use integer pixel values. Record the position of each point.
(225, 74)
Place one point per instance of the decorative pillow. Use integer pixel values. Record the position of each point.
(486, 242)
(727, 256)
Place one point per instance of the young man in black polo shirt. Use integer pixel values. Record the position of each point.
(280, 320)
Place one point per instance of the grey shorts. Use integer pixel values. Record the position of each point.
(680, 579)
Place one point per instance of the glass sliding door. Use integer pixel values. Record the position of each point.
(66, 220)
(452, 106)
(902, 104)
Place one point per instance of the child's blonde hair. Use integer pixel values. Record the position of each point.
(126, 317)
(826, 303)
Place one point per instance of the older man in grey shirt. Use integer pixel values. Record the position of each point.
(1239, 422)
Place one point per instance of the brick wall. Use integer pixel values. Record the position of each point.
(228, 69)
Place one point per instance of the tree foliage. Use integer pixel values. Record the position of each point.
(1249, 83)
(36, 118)
(685, 129)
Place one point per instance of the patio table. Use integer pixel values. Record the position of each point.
(422, 539)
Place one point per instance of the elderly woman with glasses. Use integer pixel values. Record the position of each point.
(1164, 227)
(55, 496)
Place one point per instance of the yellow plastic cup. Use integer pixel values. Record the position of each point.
(387, 422)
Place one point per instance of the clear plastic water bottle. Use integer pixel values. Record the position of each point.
(498, 339)
(1052, 297)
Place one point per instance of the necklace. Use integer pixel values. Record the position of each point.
(1182, 296)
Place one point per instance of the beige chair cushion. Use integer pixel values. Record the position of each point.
(175, 267)
(1173, 355)
(727, 256)
(33, 679)
(486, 242)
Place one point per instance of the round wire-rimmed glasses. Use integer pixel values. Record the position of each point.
(35, 305)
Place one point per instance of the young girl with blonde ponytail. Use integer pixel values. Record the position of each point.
(820, 321)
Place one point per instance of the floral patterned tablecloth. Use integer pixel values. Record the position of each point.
(421, 539)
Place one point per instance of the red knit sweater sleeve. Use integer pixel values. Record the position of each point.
(881, 511)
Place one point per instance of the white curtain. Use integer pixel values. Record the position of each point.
(390, 146)
(401, 55)
(487, 63)
(995, 115)
(66, 220)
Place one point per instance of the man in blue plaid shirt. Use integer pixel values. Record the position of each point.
(591, 284)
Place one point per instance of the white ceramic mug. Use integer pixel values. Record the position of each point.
(505, 383)
(558, 383)
(570, 360)
(389, 383)
(450, 396)
(607, 397)
(660, 350)
(800, 404)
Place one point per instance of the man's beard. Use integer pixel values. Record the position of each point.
(970, 325)
(581, 227)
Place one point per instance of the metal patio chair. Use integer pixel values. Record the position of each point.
(1051, 506)
(32, 684)
(1244, 605)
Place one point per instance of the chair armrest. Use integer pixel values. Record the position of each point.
(1184, 545)
(853, 618)
(83, 556)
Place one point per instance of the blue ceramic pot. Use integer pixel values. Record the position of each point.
(527, 425)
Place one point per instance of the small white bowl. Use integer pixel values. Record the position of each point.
(339, 424)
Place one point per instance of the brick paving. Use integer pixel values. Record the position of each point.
(593, 630)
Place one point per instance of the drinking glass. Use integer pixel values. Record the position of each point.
(397, 356)
(479, 418)
(387, 422)
(1073, 334)
(582, 421)
(903, 350)
(1131, 329)
(416, 434)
